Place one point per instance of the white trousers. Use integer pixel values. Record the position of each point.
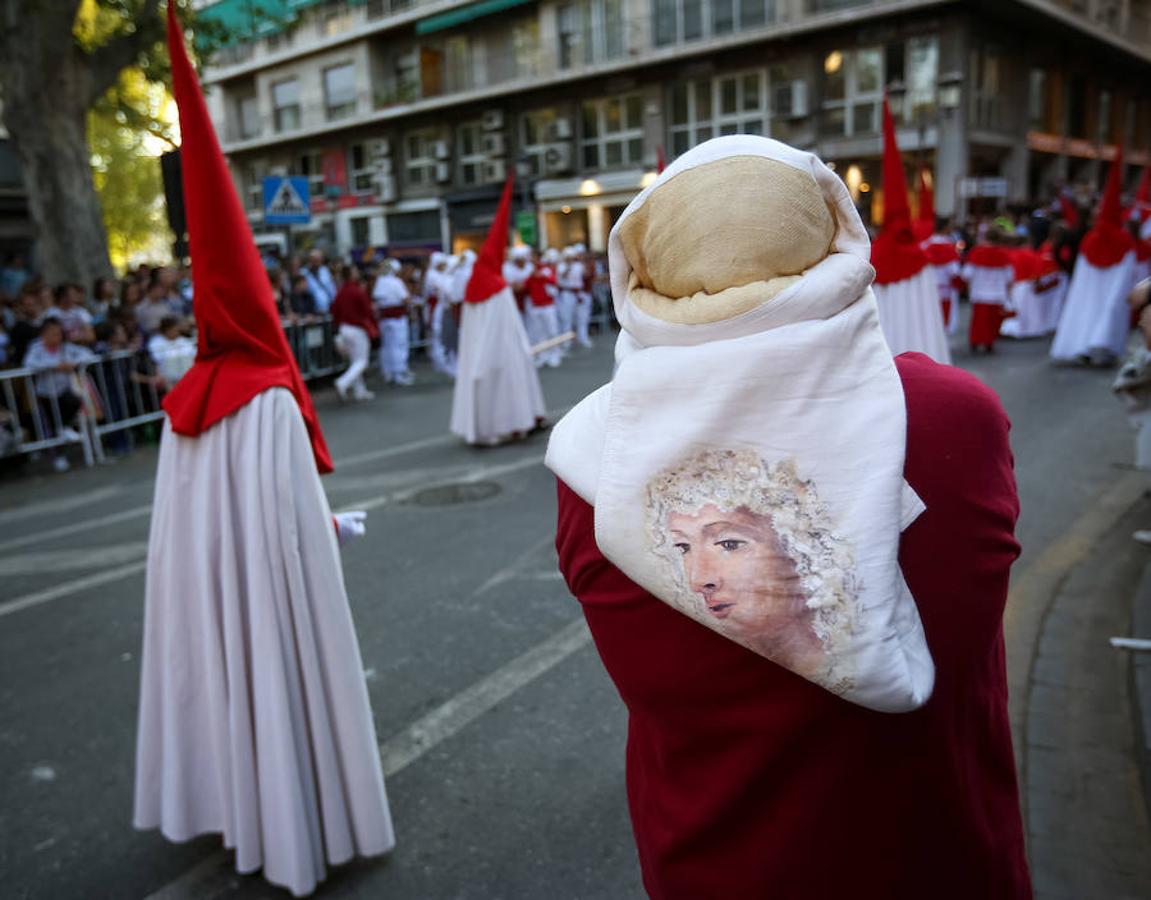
(441, 359)
(565, 310)
(543, 325)
(394, 347)
(359, 347)
(583, 318)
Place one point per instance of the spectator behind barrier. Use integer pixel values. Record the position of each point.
(58, 390)
(155, 307)
(75, 319)
(172, 353)
(29, 315)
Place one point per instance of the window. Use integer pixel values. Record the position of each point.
(248, 109)
(1037, 100)
(338, 20)
(788, 102)
(286, 104)
(1104, 130)
(612, 132)
(470, 152)
(361, 231)
(362, 171)
(311, 167)
(458, 64)
(526, 47)
(677, 21)
(729, 104)
(852, 91)
(921, 73)
(340, 90)
(590, 31)
(1077, 107)
(538, 132)
(988, 89)
(253, 179)
(420, 157)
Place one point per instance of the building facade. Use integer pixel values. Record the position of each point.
(406, 116)
(17, 233)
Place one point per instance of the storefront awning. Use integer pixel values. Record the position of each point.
(455, 17)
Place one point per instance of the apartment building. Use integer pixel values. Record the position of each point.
(407, 115)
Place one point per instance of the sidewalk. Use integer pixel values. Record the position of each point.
(1087, 819)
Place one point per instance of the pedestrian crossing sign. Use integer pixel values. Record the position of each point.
(286, 200)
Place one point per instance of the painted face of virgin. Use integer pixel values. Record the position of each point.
(733, 560)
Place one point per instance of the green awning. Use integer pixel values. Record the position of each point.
(455, 17)
(246, 19)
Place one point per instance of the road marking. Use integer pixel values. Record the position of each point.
(65, 530)
(448, 719)
(71, 587)
(61, 504)
(57, 561)
(67, 588)
(507, 573)
(215, 875)
(355, 460)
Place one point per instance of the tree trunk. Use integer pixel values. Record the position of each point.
(47, 84)
(52, 144)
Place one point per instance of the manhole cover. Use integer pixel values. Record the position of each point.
(451, 494)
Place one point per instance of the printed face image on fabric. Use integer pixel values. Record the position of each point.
(754, 554)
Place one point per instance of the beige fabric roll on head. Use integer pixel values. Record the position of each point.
(718, 239)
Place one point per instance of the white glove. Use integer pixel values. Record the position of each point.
(350, 525)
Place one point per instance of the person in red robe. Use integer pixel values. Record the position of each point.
(989, 274)
(746, 777)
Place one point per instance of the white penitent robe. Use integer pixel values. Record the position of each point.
(911, 317)
(254, 714)
(1096, 321)
(497, 392)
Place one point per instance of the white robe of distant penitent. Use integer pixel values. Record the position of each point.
(497, 392)
(254, 714)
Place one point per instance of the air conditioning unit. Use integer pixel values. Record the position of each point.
(278, 171)
(558, 159)
(493, 120)
(790, 99)
(443, 150)
(560, 130)
(494, 144)
(494, 170)
(379, 148)
(443, 172)
(387, 188)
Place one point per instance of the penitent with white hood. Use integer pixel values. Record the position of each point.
(254, 715)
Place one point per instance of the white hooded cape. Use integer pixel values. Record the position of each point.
(254, 714)
(1095, 315)
(497, 391)
(912, 318)
(802, 392)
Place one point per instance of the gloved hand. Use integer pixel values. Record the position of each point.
(350, 525)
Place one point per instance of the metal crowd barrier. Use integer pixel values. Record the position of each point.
(313, 343)
(35, 417)
(127, 395)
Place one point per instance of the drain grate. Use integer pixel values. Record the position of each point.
(453, 494)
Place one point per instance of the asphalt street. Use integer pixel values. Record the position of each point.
(502, 738)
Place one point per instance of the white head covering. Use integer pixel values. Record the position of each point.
(756, 410)
(551, 256)
(394, 266)
(521, 251)
(437, 259)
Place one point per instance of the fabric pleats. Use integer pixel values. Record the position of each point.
(254, 715)
(911, 316)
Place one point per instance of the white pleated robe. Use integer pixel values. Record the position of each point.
(254, 715)
(1095, 315)
(497, 391)
(911, 317)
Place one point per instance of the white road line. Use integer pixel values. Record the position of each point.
(215, 875)
(82, 584)
(61, 504)
(71, 587)
(70, 560)
(64, 530)
(355, 460)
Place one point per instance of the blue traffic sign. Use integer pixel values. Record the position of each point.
(286, 200)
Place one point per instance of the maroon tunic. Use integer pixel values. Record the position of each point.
(746, 781)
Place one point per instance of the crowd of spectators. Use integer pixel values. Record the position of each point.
(132, 335)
